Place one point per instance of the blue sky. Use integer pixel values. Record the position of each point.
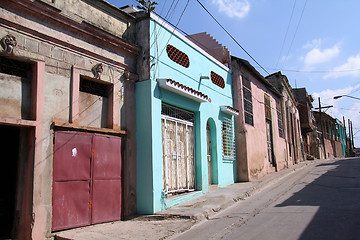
(316, 44)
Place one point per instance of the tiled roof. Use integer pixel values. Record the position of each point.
(229, 110)
(183, 90)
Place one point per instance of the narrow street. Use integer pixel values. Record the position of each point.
(322, 201)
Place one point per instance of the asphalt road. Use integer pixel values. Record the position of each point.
(322, 201)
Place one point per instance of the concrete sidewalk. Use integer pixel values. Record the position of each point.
(179, 218)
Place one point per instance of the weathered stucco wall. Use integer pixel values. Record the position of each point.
(15, 93)
(291, 118)
(329, 149)
(251, 141)
(65, 35)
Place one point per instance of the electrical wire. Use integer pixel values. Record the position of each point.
(155, 33)
(314, 71)
(232, 37)
(155, 39)
(297, 28)
(287, 30)
(189, 36)
(181, 15)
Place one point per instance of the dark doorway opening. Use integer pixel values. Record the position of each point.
(9, 148)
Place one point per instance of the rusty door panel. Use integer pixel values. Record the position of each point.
(106, 201)
(106, 179)
(72, 156)
(107, 157)
(87, 179)
(70, 204)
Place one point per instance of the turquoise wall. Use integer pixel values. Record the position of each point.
(341, 133)
(150, 195)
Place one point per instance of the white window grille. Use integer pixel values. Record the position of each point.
(280, 119)
(248, 106)
(228, 139)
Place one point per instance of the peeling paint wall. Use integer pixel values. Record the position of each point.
(291, 119)
(54, 38)
(251, 141)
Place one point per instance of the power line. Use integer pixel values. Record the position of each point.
(314, 71)
(232, 37)
(189, 36)
(297, 27)
(287, 30)
(157, 33)
(182, 13)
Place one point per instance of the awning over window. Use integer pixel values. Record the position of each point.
(229, 110)
(183, 90)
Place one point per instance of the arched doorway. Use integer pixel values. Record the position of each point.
(211, 152)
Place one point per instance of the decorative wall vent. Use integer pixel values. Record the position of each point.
(217, 79)
(9, 43)
(177, 56)
(183, 90)
(229, 110)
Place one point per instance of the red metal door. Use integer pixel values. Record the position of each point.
(87, 179)
(71, 180)
(106, 186)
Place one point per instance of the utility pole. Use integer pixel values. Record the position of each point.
(346, 140)
(321, 125)
(352, 136)
(350, 139)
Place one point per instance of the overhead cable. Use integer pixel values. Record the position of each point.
(232, 37)
(287, 30)
(297, 28)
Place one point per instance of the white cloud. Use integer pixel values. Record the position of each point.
(327, 96)
(350, 68)
(316, 56)
(233, 8)
(342, 107)
(315, 43)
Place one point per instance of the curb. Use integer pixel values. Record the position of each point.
(210, 210)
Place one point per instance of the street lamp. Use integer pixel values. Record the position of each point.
(340, 96)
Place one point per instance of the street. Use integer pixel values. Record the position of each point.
(322, 201)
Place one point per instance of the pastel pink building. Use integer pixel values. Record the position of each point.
(261, 146)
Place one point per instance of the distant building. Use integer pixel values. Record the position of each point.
(307, 123)
(340, 132)
(332, 136)
(295, 146)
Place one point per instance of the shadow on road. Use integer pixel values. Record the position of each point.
(337, 194)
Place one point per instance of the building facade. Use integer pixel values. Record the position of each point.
(260, 139)
(307, 122)
(340, 132)
(294, 147)
(185, 118)
(67, 98)
(331, 134)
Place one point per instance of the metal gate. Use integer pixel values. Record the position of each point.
(86, 179)
(178, 150)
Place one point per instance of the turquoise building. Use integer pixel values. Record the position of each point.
(185, 119)
(340, 133)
